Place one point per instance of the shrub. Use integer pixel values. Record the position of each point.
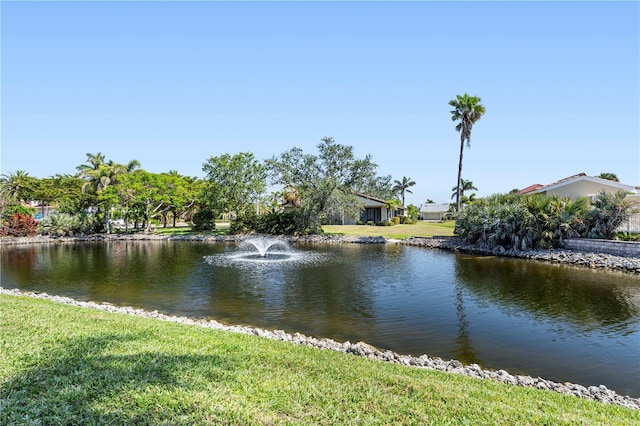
(64, 224)
(359, 222)
(395, 220)
(204, 220)
(513, 221)
(384, 223)
(370, 223)
(608, 213)
(19, 225)
(275, 223)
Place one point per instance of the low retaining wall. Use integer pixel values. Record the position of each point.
(618, 248)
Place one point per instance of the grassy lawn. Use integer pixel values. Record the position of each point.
(62, 364)
(420, 229)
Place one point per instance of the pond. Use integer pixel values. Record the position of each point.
(559, 322)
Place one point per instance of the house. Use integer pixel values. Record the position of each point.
(375, 210)
(433, 211)
(370, 209)
(577, 186)
(581, 185)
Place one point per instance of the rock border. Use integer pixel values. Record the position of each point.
(596, 393)
(563, 256)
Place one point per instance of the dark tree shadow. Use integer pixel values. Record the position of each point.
(84, 375)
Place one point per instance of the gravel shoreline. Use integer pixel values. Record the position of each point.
(592, 260)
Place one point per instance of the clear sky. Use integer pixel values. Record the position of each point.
(173, 83)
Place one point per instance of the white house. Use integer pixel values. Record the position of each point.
(577, 186)
(433, 211)
(581, 185)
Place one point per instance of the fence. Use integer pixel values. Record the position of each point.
(631, 225)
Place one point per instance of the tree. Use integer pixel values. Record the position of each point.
(609, 176)
(16, 187)
(99, 175)
(403, 186)
(234, 183)
(413, 212)
(467, 110)
(465, 185)
(321, 183)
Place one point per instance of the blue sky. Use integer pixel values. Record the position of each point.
(173, 83)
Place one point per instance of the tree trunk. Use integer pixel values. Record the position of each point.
(459, 174)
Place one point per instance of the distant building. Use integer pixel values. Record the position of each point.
(433, 211)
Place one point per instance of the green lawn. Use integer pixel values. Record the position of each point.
(420, 229)
(62, 364)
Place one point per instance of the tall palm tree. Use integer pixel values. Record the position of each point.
(403, 186)
(467, 110)
(465, 185)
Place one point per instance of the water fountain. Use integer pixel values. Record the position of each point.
(263, 244)
(262, 250)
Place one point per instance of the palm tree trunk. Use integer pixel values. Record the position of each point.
(459, 174)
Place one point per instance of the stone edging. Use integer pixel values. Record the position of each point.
(565, 256)
(597, 393)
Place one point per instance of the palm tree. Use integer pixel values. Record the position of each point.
(393, 206)
(99, 175)
(403, 186)
(15, 186)
(609, 176)
(465, 185)
(468, 110)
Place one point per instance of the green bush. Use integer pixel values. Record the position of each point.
(204, 220)
(627, 236)
(395, 220)
(276, 223)
(64, 224)
(608, 213)
(370, 223)
(384, 223)
(518, 222)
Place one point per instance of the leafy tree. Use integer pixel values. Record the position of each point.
(321, 183)
(183, 193)
(403, 186)
(609, 176)
(234, 183)
(375, 186)
(467, 111)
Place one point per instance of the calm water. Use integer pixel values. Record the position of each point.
(558, 322)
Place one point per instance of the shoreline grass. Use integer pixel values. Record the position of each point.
(63, 364)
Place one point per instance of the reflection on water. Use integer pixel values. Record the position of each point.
(559, 322)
